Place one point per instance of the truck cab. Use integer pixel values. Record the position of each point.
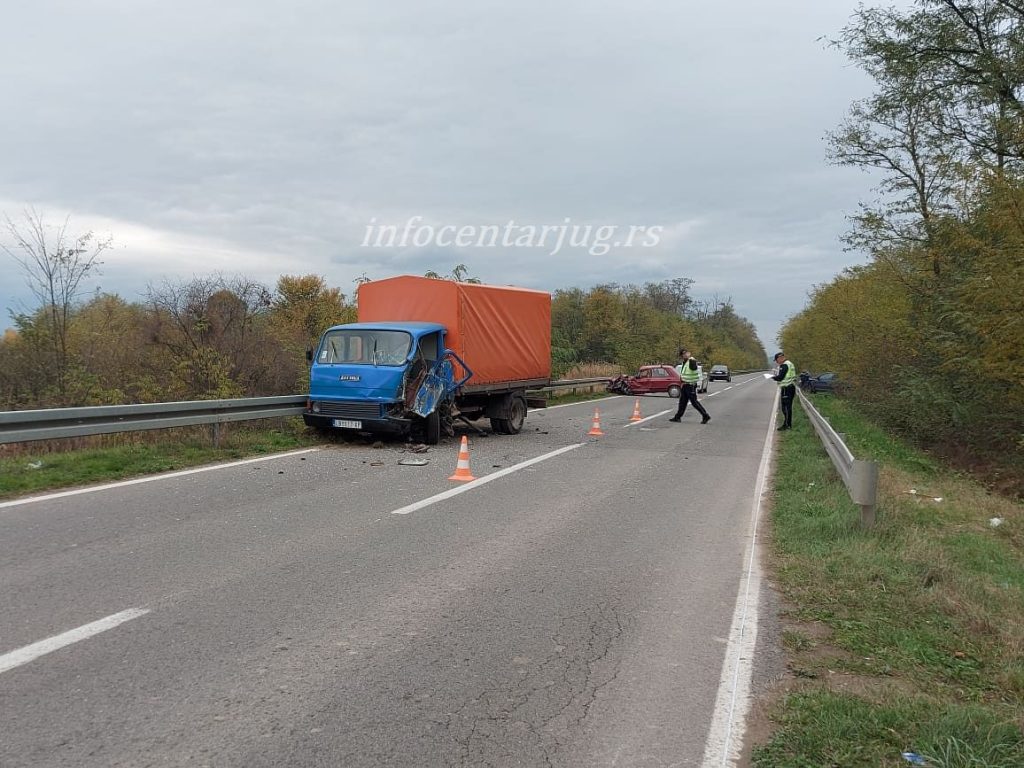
(366, 376)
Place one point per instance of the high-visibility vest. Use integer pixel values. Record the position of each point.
(790, 377)
(688, 375)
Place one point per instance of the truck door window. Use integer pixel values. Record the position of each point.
(429, 346)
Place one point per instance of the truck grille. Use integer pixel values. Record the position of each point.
(350, 410)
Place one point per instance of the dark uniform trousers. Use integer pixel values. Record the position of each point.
(787, 394)
(689, 395)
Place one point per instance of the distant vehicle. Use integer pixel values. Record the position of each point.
(702, 379)
(720, 373)
(651, 379)
(825, 382)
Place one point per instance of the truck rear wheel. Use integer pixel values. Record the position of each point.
(512, 425)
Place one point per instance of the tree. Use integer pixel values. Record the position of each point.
(671, 296)
(214, 331)
(302, 308)
(458, 274)
(55, 264)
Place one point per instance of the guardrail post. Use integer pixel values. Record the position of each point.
(864, 489)
(215, 434)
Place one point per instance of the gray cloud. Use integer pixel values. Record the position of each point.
(262, 137)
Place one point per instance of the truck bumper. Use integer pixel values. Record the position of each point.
(376, 426)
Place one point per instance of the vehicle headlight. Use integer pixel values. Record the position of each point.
(315, 407)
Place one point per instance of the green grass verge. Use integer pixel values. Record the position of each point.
(32, 470)
(907, 637)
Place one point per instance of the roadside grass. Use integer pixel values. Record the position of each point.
(33, 468)
(905, 638)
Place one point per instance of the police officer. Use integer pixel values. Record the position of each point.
(688, 373)
(787, 388)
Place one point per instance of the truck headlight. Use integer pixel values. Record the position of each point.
(315, 407)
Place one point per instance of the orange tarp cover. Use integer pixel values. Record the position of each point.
(503, 334)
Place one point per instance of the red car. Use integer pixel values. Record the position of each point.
(655, 378)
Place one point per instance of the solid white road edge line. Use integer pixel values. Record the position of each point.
(725, 737)
(30, 652)
(482, 480)
(151, 478)
(641, 421)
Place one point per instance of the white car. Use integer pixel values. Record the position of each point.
(702, 377)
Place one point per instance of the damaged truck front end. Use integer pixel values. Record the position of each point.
(384, 378)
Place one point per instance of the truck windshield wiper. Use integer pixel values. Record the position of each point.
(374, 353)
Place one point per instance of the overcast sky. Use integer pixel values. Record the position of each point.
(262, 137)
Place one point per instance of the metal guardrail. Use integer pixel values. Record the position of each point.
(54, 423)
(57, 423)
(859, 477)
(573, 384)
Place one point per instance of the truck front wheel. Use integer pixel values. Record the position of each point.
(432, 429)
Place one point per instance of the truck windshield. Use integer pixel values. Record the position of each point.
(365, 347)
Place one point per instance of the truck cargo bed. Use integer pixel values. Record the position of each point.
(502, 334)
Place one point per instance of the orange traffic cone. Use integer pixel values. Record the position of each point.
(636, 412)
(595, 428)
(462, 473)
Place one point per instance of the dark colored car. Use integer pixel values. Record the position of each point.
(720, 373)
(825, 382)
(651, 379)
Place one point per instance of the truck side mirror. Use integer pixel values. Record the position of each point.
(309, 354)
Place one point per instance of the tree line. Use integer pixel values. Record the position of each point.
(929, 333)
(222, 336)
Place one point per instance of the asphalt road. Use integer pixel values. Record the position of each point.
(573, 612)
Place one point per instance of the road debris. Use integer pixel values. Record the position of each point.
(914, 759)
(413, 462)
(34, 465)
(917, 494)
(995, 522)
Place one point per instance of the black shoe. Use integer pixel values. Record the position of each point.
(675, 419)
(783, 428)
(705, 420)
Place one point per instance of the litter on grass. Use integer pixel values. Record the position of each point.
(914, 492)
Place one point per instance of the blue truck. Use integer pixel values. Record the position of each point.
(426, 353)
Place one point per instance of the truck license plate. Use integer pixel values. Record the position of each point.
(347, 424)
